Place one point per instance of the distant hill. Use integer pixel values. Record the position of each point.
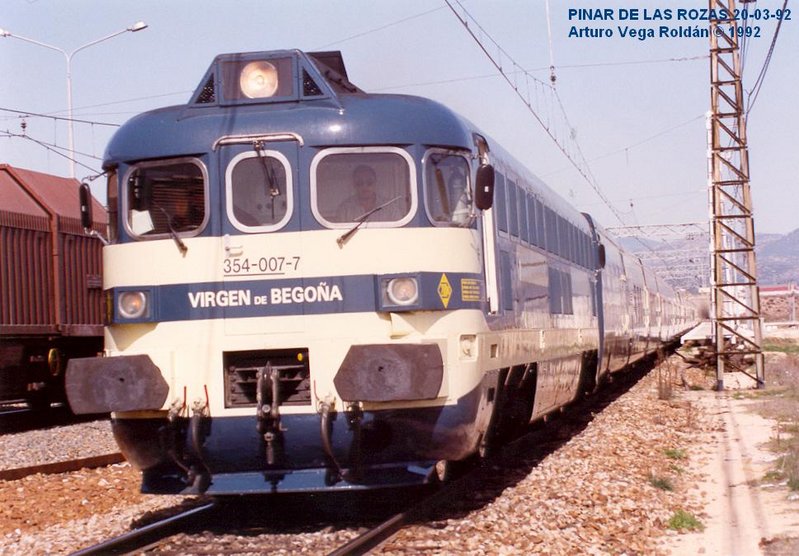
(778, 258)
(781, 246)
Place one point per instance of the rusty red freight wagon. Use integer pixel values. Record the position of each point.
(51, 297)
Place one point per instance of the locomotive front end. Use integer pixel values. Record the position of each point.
(295, 286)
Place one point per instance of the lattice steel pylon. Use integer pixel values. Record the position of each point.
(735, 297)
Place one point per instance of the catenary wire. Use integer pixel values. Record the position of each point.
(584, 170)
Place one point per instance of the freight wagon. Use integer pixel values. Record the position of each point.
(51, 297)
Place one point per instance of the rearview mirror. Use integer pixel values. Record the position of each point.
(86, 220)
(85, 194)
(484, 193)
(602, 256)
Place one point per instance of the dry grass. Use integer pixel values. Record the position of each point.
(780, 402)
(685, 521)
(784, 345)
(665, 380)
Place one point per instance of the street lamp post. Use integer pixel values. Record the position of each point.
(138, 26)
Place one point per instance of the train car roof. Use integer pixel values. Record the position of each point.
(14, 199)
(34, 193)
(547, 194)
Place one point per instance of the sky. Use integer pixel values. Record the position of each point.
(635, 108)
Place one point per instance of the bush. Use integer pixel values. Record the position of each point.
(663, 483)
(675, 453)
(684, 521)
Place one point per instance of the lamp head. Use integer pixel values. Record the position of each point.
(138, 26)
(258, 79)
(4, 33)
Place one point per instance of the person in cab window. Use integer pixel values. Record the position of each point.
(461, 195)
(187, 214)
(367, 198)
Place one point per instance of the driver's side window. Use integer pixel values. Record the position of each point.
(166, 197)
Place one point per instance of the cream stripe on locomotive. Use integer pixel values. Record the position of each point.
(292, 254)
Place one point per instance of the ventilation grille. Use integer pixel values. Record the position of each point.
(309, 86)
(207, 96)
(241, 376)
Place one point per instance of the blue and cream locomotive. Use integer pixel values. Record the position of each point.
(312, 287)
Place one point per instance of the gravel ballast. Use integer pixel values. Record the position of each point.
(597, 494)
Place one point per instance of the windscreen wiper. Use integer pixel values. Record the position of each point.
(269, 173)
(179, 242)
(342, 239)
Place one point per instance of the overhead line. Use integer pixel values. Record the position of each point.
(585, 173)
(8, 133)
(762, 75)
(38, 115)
(52, 148)
(523, 70)
(374, 30)
(86, 107)
(630, 62)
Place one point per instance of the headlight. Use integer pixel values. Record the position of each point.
(132, 305)
(258, 80)
(403, 291)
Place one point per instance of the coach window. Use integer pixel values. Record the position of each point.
(540, 230)
(165, 198)
(500, 204)
(563, 237)
(448, 190)
(369, 184)
(572, 239)
(259, 191)
(532, 235)
(521, 202)
(513, 214)
(553, 223)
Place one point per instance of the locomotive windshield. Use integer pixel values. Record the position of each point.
(259, 191)
(351, 184)
(447, 189)
(166, 198)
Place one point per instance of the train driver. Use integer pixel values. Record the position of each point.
(366, 198)
(187, 213)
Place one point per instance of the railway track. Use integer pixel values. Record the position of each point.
(18, 417)
(11, 406)
(61, 466)
(12, 410)
(472, 487)
(151, 534)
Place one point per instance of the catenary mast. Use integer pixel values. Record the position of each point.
(735, 296)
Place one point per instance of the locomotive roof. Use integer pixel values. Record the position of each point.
(339, 114)
(334, 113)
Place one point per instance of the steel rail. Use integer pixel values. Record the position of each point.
(61, 466)
(377, 535)
(147, 535)
(14, 411)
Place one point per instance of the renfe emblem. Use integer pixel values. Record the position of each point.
(444, 290)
